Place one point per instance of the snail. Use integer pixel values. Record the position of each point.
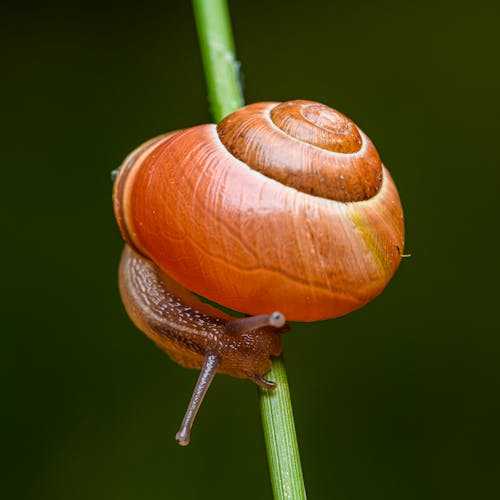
(280, 210)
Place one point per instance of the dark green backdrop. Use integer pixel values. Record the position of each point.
(397, 401)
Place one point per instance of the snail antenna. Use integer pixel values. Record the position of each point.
(242, 325)
(207, 374)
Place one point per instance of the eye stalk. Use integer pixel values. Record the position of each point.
(207, 374)
(241, 325)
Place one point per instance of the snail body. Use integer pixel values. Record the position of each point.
(195, 334)
(280, 207)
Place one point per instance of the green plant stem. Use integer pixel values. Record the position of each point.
(225, 96)
(281, 439)
(219, 61)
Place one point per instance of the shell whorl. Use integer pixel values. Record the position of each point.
(307, 146)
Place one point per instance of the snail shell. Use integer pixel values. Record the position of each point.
(279, 207)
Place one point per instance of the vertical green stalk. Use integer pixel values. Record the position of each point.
(219, 60)
(281, 439)
(225, 96)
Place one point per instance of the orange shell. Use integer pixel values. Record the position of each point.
(249, 242)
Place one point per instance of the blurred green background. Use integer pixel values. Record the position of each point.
(399, 400)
